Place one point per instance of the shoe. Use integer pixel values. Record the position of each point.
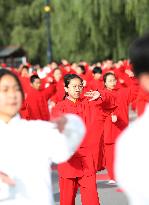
(111, 181)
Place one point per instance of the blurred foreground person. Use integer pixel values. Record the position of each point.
(27, 148)
(132, 150)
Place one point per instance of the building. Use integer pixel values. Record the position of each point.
(12, 55)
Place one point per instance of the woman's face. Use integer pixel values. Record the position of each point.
(36, 84)
(10, 97)
(57, 74)
(110, 82)
(97, 76)
(74, 88)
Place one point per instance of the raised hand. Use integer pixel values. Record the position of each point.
(113, 118)
(60, 123)
(6, 179)
(93, 95)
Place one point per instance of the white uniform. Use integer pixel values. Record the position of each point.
(131, 163)
(27, 148)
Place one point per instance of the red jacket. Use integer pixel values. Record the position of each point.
(83, 161)
(123, 98)
(36, 104)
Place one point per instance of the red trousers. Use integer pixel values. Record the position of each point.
(109, 156)
(88, 190)
(101, 155)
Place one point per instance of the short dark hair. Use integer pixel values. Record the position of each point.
(97, 69)
(106, 75)
(25, 67)
(139, 55)
(4, 72)
(33, 78)
(69, 77)
(82, 68)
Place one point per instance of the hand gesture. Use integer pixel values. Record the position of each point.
(60, 123)
(6, 179)
(113, 118)
(93, 95)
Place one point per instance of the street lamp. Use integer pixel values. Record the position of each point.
(47, 10)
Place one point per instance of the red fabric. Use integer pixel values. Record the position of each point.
(142, 100)
(36, 104)
(93, 116)
(60, 92)
(109, 155)
(73, 167)
(123, 97)
(23, 111)
(66, 69)
(25, 84)
(100, 155)
(88, 190)
(95, 85)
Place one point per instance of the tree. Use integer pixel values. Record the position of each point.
(88, 30)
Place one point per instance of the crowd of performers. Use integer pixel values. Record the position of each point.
(102, 94)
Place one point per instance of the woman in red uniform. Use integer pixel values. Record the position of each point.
(80, 170)
(120, 118)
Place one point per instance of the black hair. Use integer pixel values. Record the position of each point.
(33, 78)
(25, 67)
(82, 69)
(106, 75)
(97, 69)
(57, 68)
(139, 55)
(4, 72)
(68, 78)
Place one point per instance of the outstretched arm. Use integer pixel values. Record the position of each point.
(93, 95)
(67, 134)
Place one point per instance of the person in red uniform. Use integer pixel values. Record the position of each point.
(58, 79)
(80, 170)
(36, 102)
(120, 118)
(24, 78)
(97, 82)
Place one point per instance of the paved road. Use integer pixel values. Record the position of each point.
(109, 194)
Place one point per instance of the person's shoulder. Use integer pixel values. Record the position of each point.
(34, 123)
(61, 103)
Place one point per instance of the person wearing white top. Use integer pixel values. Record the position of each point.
(27, 148)
(132, 147)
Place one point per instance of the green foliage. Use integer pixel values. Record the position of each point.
(80, 29)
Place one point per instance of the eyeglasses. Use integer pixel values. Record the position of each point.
(79, 87)
(111, 81)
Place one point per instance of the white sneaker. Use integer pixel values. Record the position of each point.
(111, 181)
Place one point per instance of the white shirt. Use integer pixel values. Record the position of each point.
(132, 161)
(27, 148)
